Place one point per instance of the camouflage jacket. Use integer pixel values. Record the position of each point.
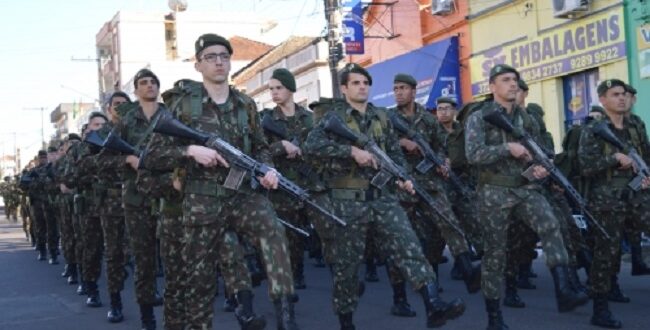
(42, 177)
(167, 154)
(486, 147)
(333, 153)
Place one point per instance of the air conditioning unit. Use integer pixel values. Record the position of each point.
(442, 7)
(570, 8)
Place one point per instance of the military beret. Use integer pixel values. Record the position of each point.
(630, 89)
(597, 108)
(145, 73)
(354, 68)
(42, 153)
(285, 77)
(500, 69)
(445, 99)
(535, 108)
(211, 39)
(405, 78)
(52, 149)
(74, 136)
(608, 84)
(522, 85)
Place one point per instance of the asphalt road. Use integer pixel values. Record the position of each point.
(33, 296)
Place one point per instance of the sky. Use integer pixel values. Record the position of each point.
(41, 37)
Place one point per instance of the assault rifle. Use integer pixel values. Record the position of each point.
(115, 143)
(498, 119)
(269, 125)
(640, 167)
(387, 167)
(430, 157)
(243, 163)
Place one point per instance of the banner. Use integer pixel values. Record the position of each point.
(583, 44)
(352, 26)
(643, 43)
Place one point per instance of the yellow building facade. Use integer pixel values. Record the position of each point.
(561, 59)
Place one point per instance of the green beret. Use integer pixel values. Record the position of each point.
(285, 77)
(535, 108)
(144, 73)
(608, 84)
(630, 89)
(42, 153)
(500, 69)
(354, 68)
(211, 39)
(597, 108)
(405, 78)
(445, 99)
(74, 136)
(522, 85)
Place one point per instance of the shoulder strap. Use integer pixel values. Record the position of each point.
(149, 130)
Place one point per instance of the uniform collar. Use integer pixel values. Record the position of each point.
(300, 112)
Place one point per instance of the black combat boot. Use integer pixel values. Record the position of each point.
(495, 318)
(602, 316)
(471, 273)
(345, 320)
(230, 303)
(93, 295)
(66, 270)
(81, 289)
(284, 314)
(158, 300)
(639, 267)
(42, 253)
(524, 276)
(73, 277)
(435, 270)
(147, 320)
(512, 298)
(115, 313)
(401, 305)
(567, 299)
(371, 271)
(438, 311)
(299, 277)
(574, 281)
(455, 273)
(615, 294)
(319, 262)
(247, 319)
(53, 257)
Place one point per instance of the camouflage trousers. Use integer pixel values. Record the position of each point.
(45, 227)
(520, 249)
(344, 247)
(498, 208)
(68, 240)
(466, 213)
(141, 232)
(207, 218)
(172, 238)
(92, 243)
(112, 220)
(295, 241)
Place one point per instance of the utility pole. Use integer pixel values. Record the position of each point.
(334, 41)
(42, 109)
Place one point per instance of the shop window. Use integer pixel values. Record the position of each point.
(579, 95)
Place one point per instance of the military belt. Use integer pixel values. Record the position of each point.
(618, 182)
(207, 187)
(359, 195)
(501, 180)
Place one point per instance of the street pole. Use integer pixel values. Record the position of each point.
(334, 41)
(42, 109)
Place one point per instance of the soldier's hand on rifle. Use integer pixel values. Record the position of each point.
(206, 156)
(363, 158)
(176, 183)
(518, 151)
(133, 161)
(624, 161)
(410, 146)
(291, 149)
(539, 172)
(406, 186)
(645, 184)
(269, 180)
(64, 188)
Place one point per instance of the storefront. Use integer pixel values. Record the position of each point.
(637, 28)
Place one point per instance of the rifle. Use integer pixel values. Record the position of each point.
(298, 230)
(270, 126)
(243, 163)
(430, 157)
(387, 167)
(498, 119)
(115, 143)
(641, 168)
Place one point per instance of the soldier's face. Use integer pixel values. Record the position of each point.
(445, 113)
(521, 97)
(631, 99)
(279, 93)
(357, 88)
(52, 156)
(615, 100)
(404, 93)
(95, 124)
(115, 102)
(42, 160)
(214, 64)
(504, 87)
(147, 89)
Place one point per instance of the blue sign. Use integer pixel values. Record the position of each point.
(579, 95)
(352, 29)
(435, 67)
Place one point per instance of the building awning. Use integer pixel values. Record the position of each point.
(435, 67)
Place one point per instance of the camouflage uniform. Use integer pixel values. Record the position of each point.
(504, 194)
(45, 228)
(68, 240)
(210, 209)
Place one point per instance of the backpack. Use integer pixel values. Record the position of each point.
(456, 139)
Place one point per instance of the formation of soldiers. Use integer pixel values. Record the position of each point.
(212, 183)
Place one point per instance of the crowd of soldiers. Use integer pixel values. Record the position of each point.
(205, 177)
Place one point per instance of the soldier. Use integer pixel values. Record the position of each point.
(68, 240)
(135, 127)
(52, 209)
(347, 171)
(209, 207)
(37, 197)
(294, 122)
(611, 200)
(24, 210)
(505, 195)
